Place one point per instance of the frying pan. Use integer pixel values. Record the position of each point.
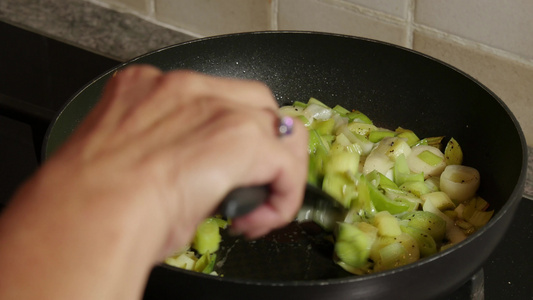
(392, 85)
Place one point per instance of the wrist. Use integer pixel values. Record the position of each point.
(77, 241)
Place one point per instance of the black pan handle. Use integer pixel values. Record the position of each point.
(243, 200)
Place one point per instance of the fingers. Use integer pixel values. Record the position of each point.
(121, 94)
(249, 152)
(138, 97)
(238, 146)
(188, 139)
(246, 92)
(125, 90)
(172, 90)
(287, 189)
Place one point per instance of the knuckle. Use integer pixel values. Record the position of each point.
(181, 76)
(265, 93)
(135, 72)
(183, 80)
(261, 87)
(239, 124)
(231, 118)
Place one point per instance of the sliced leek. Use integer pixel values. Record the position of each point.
(459, 182)
(426, 159)
(407, 198)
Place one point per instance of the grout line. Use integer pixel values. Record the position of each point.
(149, 18)
(472, 44)
(115, 7)
(151, 8)
(274, 12)
(409, 29)
(173, 27)
(381, 16)
(411, 25)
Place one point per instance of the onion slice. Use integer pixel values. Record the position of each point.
(418, 165)
(459, 182)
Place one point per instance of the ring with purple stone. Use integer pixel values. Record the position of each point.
(285, 126)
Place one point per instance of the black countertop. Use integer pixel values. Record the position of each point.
(509, 270)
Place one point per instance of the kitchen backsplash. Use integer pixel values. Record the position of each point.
(491, 40)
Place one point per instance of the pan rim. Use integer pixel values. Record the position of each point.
(510, 204)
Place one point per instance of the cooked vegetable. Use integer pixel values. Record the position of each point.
(459, 182)
(185, 260)
(353, 244)
(428, 222)
(201, 257)
(453, 154)
(416, 199)
(440, 200)
(426, 243)
(401, 250)
(407, 199)
(188, 260)
(387, 224)
(207, 237)
(426, 159)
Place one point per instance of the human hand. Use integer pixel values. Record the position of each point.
(182, 140)
(153, 159)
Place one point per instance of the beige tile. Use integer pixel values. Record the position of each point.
(396, 8)
(209, 17)
(141, 6)
(323, 16)
(510, 80)
(507, 25)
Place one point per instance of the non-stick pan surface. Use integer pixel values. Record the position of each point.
(392, 85)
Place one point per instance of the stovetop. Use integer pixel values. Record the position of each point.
(38, 75)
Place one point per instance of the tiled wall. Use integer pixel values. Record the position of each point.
(491, 40)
